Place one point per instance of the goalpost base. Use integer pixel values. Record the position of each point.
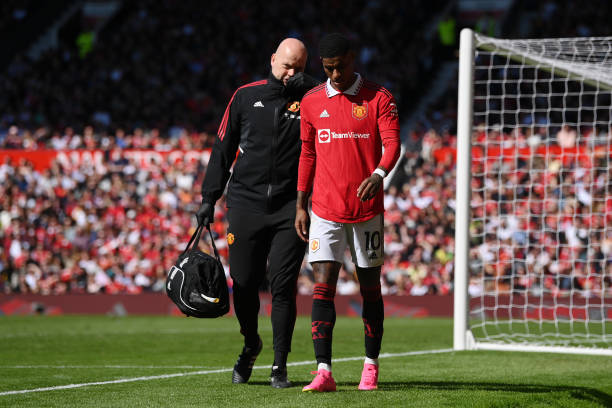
(475, 345)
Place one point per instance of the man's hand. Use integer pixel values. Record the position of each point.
(369, 187)
(302, 221)
(300, 83)
(206, 213)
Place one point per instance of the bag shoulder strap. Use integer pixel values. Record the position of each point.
(195, 239)
(212, 242)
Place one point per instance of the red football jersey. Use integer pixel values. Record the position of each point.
(343, 134)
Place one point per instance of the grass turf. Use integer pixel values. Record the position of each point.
(42, 352)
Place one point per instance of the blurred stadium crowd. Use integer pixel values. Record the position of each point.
(117, 226)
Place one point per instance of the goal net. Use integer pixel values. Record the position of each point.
(534, 195)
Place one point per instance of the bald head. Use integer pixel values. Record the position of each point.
(289, 58)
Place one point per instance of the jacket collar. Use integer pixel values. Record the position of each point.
(275, 84)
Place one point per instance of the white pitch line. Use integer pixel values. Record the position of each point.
(102, 366)
(202, 372)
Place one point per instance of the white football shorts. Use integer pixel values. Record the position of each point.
(329, 239)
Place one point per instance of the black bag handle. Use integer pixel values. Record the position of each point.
(195, 239)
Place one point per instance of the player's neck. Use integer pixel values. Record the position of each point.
(350, 84)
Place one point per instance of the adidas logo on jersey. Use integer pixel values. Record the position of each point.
(324, 114)
(258, 104)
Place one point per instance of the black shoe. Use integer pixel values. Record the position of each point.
(244, 365)
(278, 378)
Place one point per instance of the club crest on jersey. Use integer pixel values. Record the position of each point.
(314, 245)
(324, 135)
(293, 106)
(230, 238)
(360, 111)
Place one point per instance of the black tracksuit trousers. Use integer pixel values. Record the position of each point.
(264, 241)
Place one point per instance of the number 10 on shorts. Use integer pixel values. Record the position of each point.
(372, 240)
(369, 242)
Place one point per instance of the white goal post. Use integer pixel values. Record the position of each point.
(533, 226)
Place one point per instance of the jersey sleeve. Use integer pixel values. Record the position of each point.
(223, 152)
(307, 163)
(389, 128)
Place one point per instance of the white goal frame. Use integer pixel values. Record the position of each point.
(463, 338)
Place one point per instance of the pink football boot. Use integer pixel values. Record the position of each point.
(323, 382)
(369, 377)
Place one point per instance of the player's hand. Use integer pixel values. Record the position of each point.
(302, 221)
(369, 187)
(206, 213)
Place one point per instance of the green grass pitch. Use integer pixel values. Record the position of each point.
(179, 362)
